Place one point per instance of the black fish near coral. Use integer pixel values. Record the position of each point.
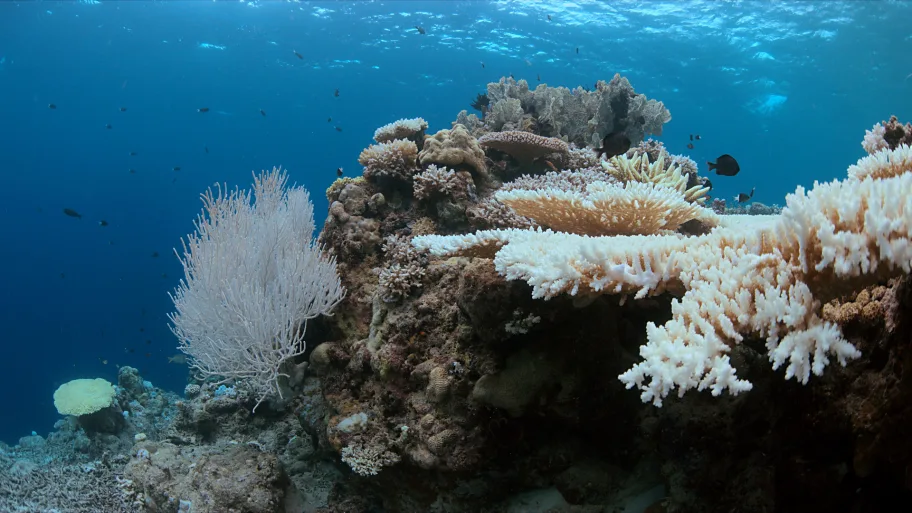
(613, 144)
(744, 197)
(726, 165)
(339, 172)
(72, 213)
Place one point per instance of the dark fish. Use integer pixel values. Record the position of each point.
(420, 29)
(338, 129)
(164, 275)
(697, 137)
(155, 254)
(329, 120)
(203, 109)
(52, 106)
(577, 49)
(613, 144)
(62, 275)
(263, 112)
(690, 146)
(743, 197)
(339, 172)
(482, 65)
(142, 330)
(549, 17)
(707, 183)
(123, 109)
(299, 56)
(691, 137)
(726, 165)
(102, 223)
(206, 148)
(511, 76)
(132, 171)
(72, 213)
(132, 350)
(108, 126)
(538, 77)
(176, 168)
(148, 342)
(336, 93)
(132, 153)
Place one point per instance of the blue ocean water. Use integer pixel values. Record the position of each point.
(786, 87)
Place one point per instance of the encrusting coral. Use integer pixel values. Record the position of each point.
(454, 147)
(523, 146)
(764, 278)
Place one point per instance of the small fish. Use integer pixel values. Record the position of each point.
(62, 275)
(123, 109)
(577, 49)
(329, 120)
(132, 171)
(339, 172)
(72, 213)
(102, 223)
(743, 197)
(132, 153)
(263, 113)
(707, 183)
(176, 168)
(614, 144)
(538, 77)
(148, 342)
(164, 275)
(551, 165)
(131, 350)
(52, 106)
(180, 359)
(103, 361)
(338, 129)
(155, 254)
(203, 109)
(511, 76)
(108, 126)
(726, 165)
(206, 148)
(697, 137)
(549, 17)
(690, 146)
(691, 137)
(299, 56)
(482, 65)
(420, 29)
(142, 330)
(336, 93)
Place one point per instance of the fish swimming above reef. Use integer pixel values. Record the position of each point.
(339, 172)
(726, 165)
(72, 213)
(420, 29)
(299, 56)
(613, 144)
(180, 359)
(744, 197)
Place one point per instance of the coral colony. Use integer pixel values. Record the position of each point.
(497, 315)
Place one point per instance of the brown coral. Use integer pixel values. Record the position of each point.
(454, 147)
(523, 146)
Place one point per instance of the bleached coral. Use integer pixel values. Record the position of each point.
(401, 129)
(883, 164)
(368, 460)
(566, 180)
(640, 169)
(606, 208)
(762, 276)
(394, 159)
(523, 146)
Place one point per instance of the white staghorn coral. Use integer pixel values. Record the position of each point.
(763, 277)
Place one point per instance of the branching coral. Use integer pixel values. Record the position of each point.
(887, 135)
(580, 116)
(442, 181)
(405, 271)
(761, 276)
(395, 159)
